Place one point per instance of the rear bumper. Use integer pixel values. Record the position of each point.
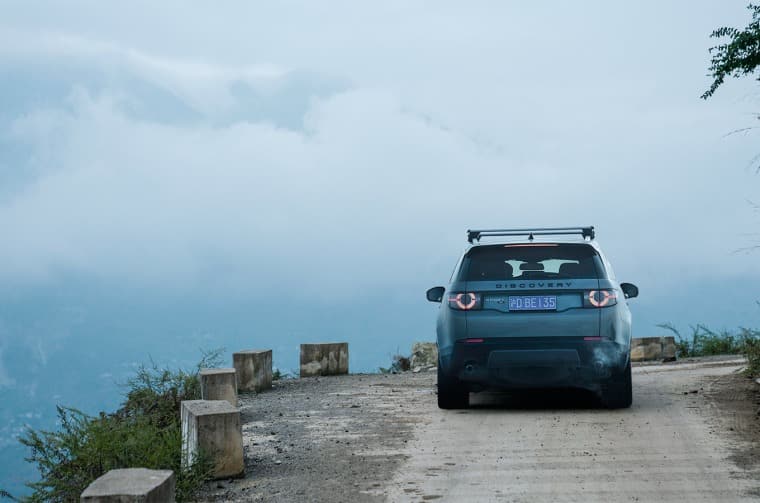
(530, 363)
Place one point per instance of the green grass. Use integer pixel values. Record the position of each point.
(705, 342)
(144, 432)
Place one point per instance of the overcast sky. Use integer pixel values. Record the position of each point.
(347, 146)
(176, 175)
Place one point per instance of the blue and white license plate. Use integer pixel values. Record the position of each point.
(533, 303)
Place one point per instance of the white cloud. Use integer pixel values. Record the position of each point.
(382, 176)
(201, 85)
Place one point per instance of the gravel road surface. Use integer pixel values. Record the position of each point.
(691, 435)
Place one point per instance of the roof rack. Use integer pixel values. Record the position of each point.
(586, 232)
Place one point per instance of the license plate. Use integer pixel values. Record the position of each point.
(533, 303)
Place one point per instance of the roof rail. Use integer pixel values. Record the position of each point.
(586, 232)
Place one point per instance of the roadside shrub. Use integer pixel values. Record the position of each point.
(752, 351)
(705, 342)
(144, 432)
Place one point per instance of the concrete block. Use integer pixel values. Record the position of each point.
(324, 359)
(668, 348)
(129, 485)
(219, 384)
(254, 369)
(213, 426)
(424, 354)
(646, 349)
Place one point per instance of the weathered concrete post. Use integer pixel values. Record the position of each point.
(254, 369)
(424, 355)
(646, 348)
(324, 359)
(653, 348)
(129, 485)
(219, 384)
(213, 426)
(668, 348)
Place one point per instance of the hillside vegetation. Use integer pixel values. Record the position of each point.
(706, 342)
(144, 432)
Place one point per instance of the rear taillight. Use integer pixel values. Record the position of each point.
(599, 298)
(465, 301)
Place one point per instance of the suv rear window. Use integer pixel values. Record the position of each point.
(531, 261)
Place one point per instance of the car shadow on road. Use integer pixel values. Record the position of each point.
(543, 399)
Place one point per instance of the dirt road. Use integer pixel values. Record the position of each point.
(688, 437)
(531, 448)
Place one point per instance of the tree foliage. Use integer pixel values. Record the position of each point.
(739, 56)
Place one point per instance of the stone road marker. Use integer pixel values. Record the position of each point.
(128, 485)
(254, 369)
(324, 359)
(213, 426)
(219, 384)
(646, 349)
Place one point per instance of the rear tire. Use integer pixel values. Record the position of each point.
(452, 394)
(618, 394)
